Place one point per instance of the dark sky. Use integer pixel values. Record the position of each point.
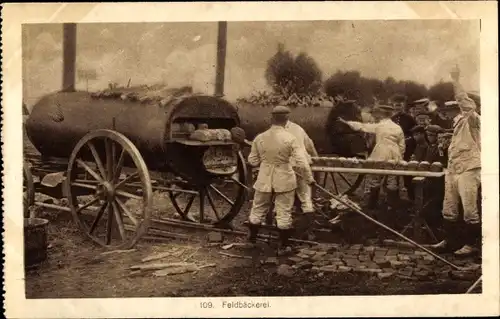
(184, 53)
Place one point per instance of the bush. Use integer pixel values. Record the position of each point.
(287, 74)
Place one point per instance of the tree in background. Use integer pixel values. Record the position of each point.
(287, 74)
(441, 92)
(368, 91)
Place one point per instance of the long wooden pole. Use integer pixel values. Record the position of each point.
(69, 57)
(221, 58)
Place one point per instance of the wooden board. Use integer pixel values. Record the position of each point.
(372, 171)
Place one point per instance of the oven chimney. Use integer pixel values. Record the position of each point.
(221, 59)
(69, 57)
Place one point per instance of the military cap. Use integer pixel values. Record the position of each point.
(434, 129)
(418, 129)
(451, 104)
(280, 109)
(424, 101)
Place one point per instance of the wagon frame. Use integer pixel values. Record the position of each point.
(106, 170)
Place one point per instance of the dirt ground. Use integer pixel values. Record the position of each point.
(76, 268)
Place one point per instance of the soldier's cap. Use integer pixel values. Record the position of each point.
(434, 129)
(423, 101)
(418, 129)
(280, 109)
(450, 104)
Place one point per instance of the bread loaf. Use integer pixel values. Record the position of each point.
(412, 165)
(187, 128)
(424, 166)
(347, 163)
(402, 165)
(436, 167)
(379, 164)
(202, 135)
(335, 162)
(368, 163)
(391, 164)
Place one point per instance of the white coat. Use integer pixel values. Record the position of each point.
(275, 151)
(389, 139)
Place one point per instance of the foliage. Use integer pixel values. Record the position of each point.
(441, 92)
(287, 74)
(369, 91)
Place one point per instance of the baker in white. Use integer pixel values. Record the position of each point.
(389, 145)
(463, 176)
(304, 190)
(276, 151)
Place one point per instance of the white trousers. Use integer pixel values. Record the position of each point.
(462, 187)
(304, 193)
(283, 204)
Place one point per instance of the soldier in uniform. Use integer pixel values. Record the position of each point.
(463, 177)
(421, 147)
(275, 151)
(304, 191)
(389, 145)
(407, 123)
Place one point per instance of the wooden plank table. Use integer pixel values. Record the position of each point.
(419, 180)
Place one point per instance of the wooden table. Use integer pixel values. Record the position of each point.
(419, 178)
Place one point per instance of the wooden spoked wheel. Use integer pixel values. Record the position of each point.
(28, 190)
(112, 213)
(342, 183)
(225, 197)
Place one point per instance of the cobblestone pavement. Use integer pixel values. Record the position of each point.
(381, 262)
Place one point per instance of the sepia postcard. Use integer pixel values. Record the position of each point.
(250, 159)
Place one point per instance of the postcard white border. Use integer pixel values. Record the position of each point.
(14, 15)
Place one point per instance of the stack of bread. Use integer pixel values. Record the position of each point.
(204, 134)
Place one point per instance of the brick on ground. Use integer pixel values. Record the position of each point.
(382, 262)
(307, 251)
(389, 258)
(396, 264)
(344, 269)
(303, 256)
(402, 257)
(328, 268)
(363, 257)
(384, 275)
(422, 274)
(393, 252)
(407, 272)
(369, 249)
(295, 259)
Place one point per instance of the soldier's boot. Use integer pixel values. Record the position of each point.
(451, 239)
(472, 237)
(253, 231)
(393, 198)
(284, 245)
(373, 196)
